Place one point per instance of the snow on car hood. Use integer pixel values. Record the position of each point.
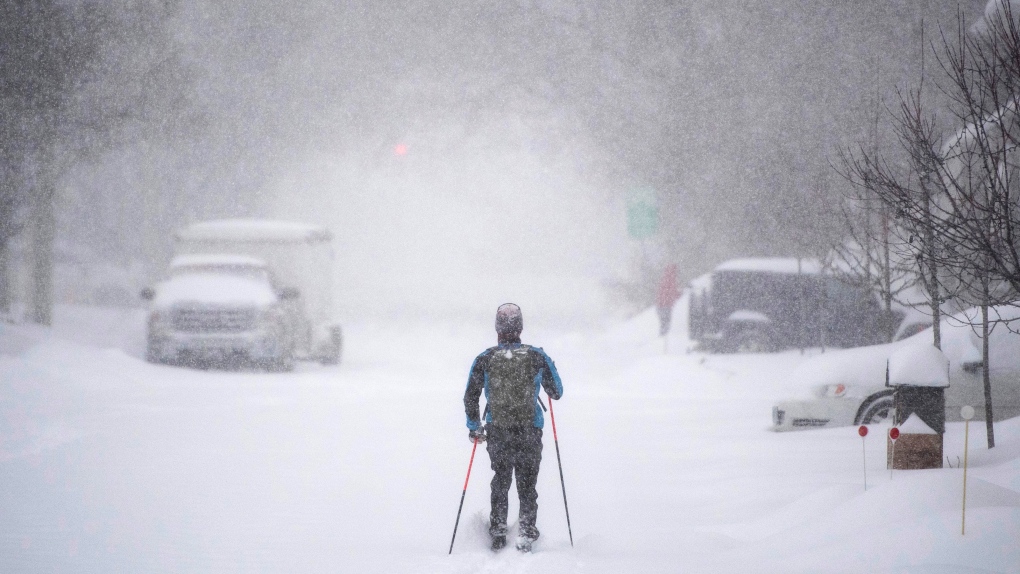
(865, 366)
(214, 288)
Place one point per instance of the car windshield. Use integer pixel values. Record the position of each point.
(255, 272)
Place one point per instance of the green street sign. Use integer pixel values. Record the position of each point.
(642, 213)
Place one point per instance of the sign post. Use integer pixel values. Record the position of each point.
(863, 431)
(967, 413)
(894, 433)
(642, 213)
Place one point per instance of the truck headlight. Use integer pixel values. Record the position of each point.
(159, 321)
(269, 318)
(778, 415)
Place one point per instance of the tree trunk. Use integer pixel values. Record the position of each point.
(43, 234)
(886, 262)
(936, 309)
(887, 276)
(5, 279)
(985, 378)
(934, 292)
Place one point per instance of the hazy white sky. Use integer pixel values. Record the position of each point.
(461, 223)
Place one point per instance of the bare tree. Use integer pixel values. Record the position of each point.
(868, 251)
(962, 203)
(74, 73)
(908, 196)
(49, 50)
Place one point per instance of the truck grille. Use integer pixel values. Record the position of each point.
(213, 320)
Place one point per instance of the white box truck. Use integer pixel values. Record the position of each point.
(249, 289)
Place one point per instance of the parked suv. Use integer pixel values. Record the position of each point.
(769, 304)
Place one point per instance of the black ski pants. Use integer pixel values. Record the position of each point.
(514, 451)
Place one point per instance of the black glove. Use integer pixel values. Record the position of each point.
(477, 434)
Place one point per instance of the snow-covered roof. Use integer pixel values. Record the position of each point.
(919, 365)
(748, 316)
(914, 425)
(771, 265)
(996, 14)
(214, 259)
(701, 282)
(255, 230)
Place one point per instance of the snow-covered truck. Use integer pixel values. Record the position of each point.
(246, 289)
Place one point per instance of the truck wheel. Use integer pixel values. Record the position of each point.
(151, 354)
(284, 364)
(335, 349)
(876, 409)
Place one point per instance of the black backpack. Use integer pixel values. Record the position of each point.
(512, 387)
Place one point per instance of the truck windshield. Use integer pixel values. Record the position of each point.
(247, 271)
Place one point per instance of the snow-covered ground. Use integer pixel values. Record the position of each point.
(109, 464)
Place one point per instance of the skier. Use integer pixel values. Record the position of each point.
(511, 374)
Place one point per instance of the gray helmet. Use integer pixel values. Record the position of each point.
(509, 320)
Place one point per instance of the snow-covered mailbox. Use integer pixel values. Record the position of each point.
(920, 375)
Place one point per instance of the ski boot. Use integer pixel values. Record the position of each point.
(497, 531)
(526, 536)
(524, 544)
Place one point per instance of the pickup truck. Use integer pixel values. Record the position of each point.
(252, 290)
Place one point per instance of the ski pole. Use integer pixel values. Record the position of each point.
(559, 462)
(461, 507)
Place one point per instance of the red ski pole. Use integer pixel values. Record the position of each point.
(563, 485)
(461, 507)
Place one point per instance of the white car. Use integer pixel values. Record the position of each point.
(848, 387)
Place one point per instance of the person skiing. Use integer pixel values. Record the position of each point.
(511, 374)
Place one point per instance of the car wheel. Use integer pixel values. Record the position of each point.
(877, 410)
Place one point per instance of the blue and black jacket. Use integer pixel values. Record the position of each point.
(541, 370)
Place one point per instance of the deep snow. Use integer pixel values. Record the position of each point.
(110, 464)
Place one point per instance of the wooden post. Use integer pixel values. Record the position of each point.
(967, 413)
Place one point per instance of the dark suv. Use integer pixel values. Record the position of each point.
(764, 305)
